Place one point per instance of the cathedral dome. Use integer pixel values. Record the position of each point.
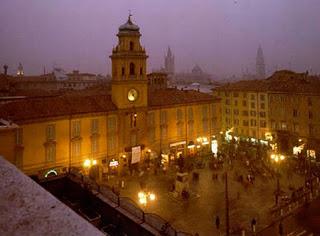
(129, 26)
(197, 70)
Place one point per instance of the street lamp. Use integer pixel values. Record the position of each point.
(88, 163)
(277, 158)
(144, 197)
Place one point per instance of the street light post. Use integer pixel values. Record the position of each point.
(277, 158)
(227, 204)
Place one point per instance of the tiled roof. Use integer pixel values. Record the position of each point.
(167, 97)
(38, 108)
(280, 81)
(82, 102)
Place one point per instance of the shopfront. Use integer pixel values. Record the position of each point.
(177, 149)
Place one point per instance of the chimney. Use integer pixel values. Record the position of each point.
(5, 67)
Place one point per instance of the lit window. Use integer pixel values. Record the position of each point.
(51, 153)
(283, 125)
(253, 122)
(50, 132)
(76, 148)
(94, 126)
(94, 145)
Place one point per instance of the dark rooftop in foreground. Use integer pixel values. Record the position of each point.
(28, 209)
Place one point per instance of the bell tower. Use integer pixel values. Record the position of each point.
(129, 83)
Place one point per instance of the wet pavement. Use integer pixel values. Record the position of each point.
(198, 214)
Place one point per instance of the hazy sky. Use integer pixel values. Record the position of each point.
(221, 36)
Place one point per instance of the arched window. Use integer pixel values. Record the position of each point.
(141, 70)
(131, 46)
(132, 69)
(122, 71)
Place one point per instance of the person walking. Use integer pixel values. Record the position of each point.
(253, 225)
(218, 224)
(281, 229)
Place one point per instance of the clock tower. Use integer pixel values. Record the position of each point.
(129, 80)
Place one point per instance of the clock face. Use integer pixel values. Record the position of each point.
(132, 95)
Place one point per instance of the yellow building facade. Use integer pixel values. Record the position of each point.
(56, 133)
(283, 106)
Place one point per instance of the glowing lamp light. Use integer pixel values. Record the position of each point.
(94, 162)
(277, 157)
(145, 196)
(143, 200)
(191, 144)
(141, 195)
(205, 141)
(152, 196)
(87, 163)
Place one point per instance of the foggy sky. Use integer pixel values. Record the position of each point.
(222, 36)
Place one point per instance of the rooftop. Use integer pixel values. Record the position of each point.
(129, 26)
(89, 101)
(172, 96)
(27, 209)
(47, 107)
(280, 81)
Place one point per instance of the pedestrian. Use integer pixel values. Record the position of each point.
(280, 229)
(253, 225)
(217, 222)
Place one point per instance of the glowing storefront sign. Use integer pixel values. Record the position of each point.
(113, 163)
(298, 149)
(214, 147)
(136, 154)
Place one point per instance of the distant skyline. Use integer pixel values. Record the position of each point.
(222, 36)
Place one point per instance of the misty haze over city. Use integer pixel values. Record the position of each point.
(222, 36)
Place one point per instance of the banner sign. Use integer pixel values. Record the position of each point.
(136, 154)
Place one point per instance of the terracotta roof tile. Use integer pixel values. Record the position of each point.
(165, 97)
(35, 108)
(76, 102)
(280, 81)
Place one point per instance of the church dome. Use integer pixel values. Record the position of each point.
(197, 70)
(129, 26)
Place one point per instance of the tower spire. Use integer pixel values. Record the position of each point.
(169, 62)
(260, 64)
